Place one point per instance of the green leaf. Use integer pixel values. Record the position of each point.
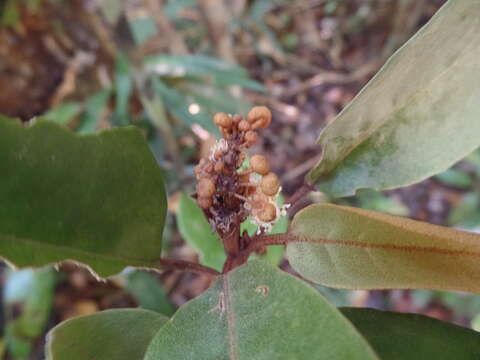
(122, 334)
(96, 199)
(258, 312)
(123, 90)
(352, 248)
(63, 113)
(456, 178)
(93, 111)
(142, 28)
(27, 302)
(148, 292)
(397, 336)
(197, 232)
(416, 117)
(111, 9)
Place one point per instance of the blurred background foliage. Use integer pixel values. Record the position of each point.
(166, 67)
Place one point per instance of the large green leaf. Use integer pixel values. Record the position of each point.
(416, 117)
(258, 312)
(352, 248)
(96, 199)
(396, 336)
(121, 334)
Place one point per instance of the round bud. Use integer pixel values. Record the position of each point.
(251, 137)
(219, 165)
(204, 202)
(270, 184)
(260, 117)
(244, 125)
(205, 188)
(268, 213)
(259, 164)
(223, 120)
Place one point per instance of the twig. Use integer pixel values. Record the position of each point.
(301, 192)
(330, 77)
(186, 266)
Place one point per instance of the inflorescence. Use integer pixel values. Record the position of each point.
(228, 190)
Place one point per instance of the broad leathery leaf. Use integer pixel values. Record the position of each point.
(352, 248)
(120, 334)
(396, 336)
(197, 232)
(416, 117)
(258, 312)
(95, 199)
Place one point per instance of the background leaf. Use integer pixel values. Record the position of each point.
(121, 334)
(396, 336)
(148, 292)
(27, 302)
(417, 117)
(352, 248)
(247, 314)
(97, 199)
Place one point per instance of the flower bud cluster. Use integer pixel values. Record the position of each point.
(226, 190)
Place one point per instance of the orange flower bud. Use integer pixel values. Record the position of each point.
(260, 117)
(260, 164)
(251, 137)
(204, 202)
(268, 213)
(270, 184)
(223, 120)
(205, 188)
(244, 125)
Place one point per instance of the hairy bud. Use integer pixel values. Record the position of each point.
(259, 164)
(268, 213)
(270, 184)
(223, 120)
(260, 117)
(205, 188)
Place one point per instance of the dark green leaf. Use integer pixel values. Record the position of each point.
(122, 334)
(397, 336)
(96, 199)
(258, 312)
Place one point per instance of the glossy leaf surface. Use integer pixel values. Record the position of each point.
(416, 117)
(121, 334)
(396, 336)
(258, 312)
(96, 199)
(352, 248)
